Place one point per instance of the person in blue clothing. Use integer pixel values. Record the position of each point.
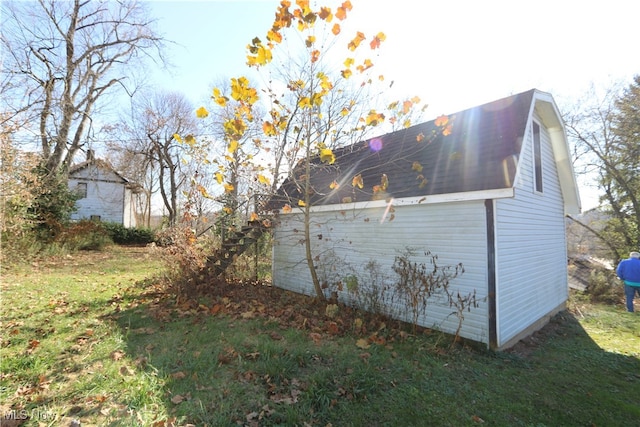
(629, 271)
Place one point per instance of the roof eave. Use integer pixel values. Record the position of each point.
(550, 115)
(499, 193)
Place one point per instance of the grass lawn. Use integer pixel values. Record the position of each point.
(92, 337)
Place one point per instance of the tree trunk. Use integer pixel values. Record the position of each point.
(307, 219)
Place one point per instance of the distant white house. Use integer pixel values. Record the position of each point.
(490, 192)
(104, 194)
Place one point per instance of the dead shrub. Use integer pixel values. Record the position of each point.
(84, 235)
(185, 257)
(422, 283)
(604, 288)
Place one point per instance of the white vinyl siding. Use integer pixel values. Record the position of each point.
(105, 195)
(531, 259)
(345, 241)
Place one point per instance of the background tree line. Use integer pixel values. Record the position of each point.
(605, 134)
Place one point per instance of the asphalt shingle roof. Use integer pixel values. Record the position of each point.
(480, 153)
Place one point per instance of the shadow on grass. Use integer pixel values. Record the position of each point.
(574, 381)
(56, 356)
(251, 368)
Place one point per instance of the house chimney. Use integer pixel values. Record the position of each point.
(90, 156)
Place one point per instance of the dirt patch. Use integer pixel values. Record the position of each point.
(527, 346)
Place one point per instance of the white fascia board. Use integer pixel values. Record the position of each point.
(500, 193)
(552, 119)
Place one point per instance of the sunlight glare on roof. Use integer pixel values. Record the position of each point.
(375, 144)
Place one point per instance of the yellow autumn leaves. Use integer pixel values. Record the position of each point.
(308, 101)
(202, 113)
(357, 181)
(384, 183)
(353, 44)
(190, 140)
(327, 156)
(374, 118)
(261, 54)
(379, 191)
(360, 37)
(444, 122)
(239, 100)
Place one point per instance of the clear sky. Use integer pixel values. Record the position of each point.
(453, 54)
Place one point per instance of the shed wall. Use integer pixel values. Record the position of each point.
(531, 258)
(346, 242)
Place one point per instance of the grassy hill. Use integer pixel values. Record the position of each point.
(93, 337)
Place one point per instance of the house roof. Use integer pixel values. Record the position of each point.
(99, 163)
(476, 150)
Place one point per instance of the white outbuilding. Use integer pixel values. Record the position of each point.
(488, 187)
(103, 193)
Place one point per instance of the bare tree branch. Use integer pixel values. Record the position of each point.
(66, 59)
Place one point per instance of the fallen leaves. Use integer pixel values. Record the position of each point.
(254, 418)
(169, 422)
(248, 314)
(316, 337)
(286, 399)
(333, 328)
(117, 355)
(59, 306)
(33, 344)
(227, 356)
(100, 398)
(29, 391)
(178, 375)
(363, 343)
(331, 311)
(215, 309)
(280, 325)
(179, 398)
(275, 336)
(253, 355)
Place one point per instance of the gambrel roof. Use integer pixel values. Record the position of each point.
(476, 150)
